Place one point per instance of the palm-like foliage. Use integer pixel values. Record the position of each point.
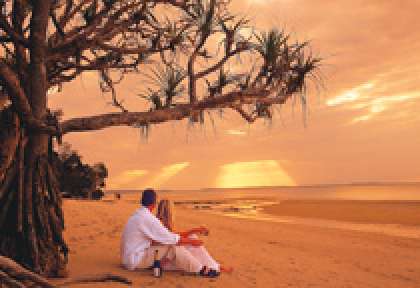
(224, 79)
(271, 46)
(168, 80)
(284, 63)
(200, 14)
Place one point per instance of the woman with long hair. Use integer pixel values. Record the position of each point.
(165, 215)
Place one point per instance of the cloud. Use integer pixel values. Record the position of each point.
(350, 95)
(253, 174)
(361, 119)
(379, 96)
(379, 105)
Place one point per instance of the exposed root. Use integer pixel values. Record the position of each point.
(9, 281)
(9, 138)
(14, 275)
(16, 272)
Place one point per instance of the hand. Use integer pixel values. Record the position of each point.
(196, 242)
(203, 230)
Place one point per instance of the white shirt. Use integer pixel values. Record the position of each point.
(141, 229)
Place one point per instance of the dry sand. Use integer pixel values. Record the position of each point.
(263, 253)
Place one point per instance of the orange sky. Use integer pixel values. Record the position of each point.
(363, 126)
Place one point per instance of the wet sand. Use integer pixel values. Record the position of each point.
(263, 253)
(371, 212)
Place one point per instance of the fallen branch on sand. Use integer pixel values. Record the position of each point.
(14, 275)
(97, 278)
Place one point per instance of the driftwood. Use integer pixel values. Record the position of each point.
(14, 275)
(96, 278)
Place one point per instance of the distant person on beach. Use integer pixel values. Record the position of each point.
(144, 234)
(166, 216)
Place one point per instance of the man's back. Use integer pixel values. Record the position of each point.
(141, 229)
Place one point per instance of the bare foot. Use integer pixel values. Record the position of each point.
(226, 269)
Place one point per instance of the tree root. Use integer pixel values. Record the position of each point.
(14, 272)
(14, 275)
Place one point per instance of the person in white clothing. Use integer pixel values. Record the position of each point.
(166, 215)
(144, 234)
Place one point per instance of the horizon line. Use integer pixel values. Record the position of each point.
(361, 183)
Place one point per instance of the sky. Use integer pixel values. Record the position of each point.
(362, 126)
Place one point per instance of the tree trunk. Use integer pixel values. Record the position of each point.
(31, 219)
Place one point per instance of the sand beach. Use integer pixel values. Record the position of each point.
(297, 243)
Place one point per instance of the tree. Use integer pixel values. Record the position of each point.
(189, 47)
(76, 179)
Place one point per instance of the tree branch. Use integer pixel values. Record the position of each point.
(14, 35)
(219, 64)
(16, 94)
(248, 117)
(178, 112)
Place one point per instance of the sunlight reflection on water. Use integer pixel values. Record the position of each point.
(395, 230)
(253, 210)
(248, 202)
(387, 229)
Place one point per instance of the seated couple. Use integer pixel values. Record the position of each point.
(144, 234)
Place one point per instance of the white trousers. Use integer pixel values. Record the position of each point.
(178, 257)
(200, 253)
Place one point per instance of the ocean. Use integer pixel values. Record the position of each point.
(400, 191)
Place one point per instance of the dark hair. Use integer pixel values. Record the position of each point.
(149, 197)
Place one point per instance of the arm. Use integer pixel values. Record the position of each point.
(188, 241)
(198, 230)
(158, 233)
(183, 240)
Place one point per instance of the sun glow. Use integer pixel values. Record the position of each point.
(166, 174)
(127, 179)
(253, 174)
